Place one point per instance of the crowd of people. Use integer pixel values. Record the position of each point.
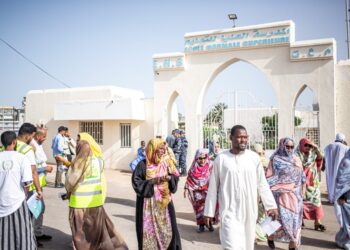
(23, 170)
(240, 188)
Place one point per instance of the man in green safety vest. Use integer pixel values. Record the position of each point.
(25, 136)
(42, 169)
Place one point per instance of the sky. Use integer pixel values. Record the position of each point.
(92, 43)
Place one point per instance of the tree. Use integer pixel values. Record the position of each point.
(216, 115)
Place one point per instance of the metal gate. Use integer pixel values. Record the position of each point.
(240, 107)
(307, 124)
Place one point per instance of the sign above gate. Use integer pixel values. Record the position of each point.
(265, 35)
(170, 61)
(312, 50)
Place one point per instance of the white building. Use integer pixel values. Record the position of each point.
(118, 118)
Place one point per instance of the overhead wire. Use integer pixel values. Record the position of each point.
(36, 65)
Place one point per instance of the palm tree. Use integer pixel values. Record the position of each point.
(216, 115)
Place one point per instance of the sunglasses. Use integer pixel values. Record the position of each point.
(308, 145)
(202, 158)
(289, 147)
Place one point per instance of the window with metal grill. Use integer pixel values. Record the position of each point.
(125, 135)
(95, 129)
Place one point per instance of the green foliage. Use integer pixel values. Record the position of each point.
(270, 129)
(216, 115)
(208, 134)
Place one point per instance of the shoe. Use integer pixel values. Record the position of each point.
(200, 229)
(271, 244)
(320, 227)
(38, 244)
(44, 237)
(210, 228)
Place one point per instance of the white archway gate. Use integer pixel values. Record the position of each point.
(269, 47)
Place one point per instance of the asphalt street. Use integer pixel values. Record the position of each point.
(120, 206)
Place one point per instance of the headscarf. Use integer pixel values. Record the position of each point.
(86, 148)
(284, 165)
(79, 165)
(159, 167)
(198, 176)
(339, 137)
(281, 151)
(95, 148)
(306, 158)
(258, 148)
(342, 182)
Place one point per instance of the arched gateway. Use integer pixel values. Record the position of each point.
(288, 65)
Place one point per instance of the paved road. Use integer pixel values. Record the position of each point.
(120, 206)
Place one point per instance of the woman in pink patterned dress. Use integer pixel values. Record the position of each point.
(197, 185)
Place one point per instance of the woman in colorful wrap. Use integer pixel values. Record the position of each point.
(197, 185)
(86, 190)
(311, 159)
(342, 196)
(154, 180)
(286, 177)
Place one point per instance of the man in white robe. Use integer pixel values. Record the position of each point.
(236, 179)
(333, 154)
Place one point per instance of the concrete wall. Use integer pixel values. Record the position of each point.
(40, 109)
(342, 71)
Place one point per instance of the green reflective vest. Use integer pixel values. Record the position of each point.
(42, 177)
(89, 192)
(24, 148)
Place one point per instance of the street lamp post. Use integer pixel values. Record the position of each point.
(233, 17)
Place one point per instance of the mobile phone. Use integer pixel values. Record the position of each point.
(63, 196)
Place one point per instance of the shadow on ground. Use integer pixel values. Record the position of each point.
(189, 233)
(125, 202)
(186, 216)
(126, 217)
(306, 241)
(264, 246)
(60, 240)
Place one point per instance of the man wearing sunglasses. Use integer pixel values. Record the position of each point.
(235, 182)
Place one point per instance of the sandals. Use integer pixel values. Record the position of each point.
(320, 227)
(271, 244)
(211, 228)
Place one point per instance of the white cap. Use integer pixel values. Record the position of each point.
(340, 137)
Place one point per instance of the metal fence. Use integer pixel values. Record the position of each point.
(240, 107)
